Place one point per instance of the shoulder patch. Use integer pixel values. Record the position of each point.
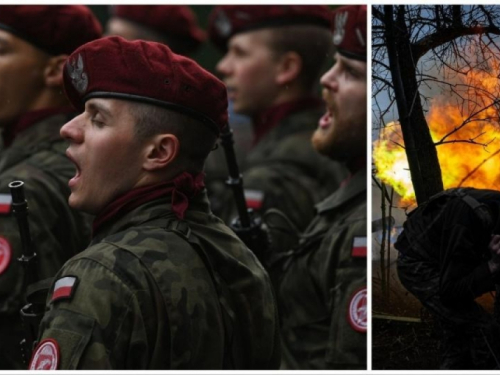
(46, 356)
(357, 311)
(5, 203)
(254, 198)
(64, 288)
(5, 254)
(359, 247)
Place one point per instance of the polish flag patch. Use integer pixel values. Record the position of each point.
(46, 356)
(359, 247)
(5, 254)
(357, 311)
(5, 203)
(254, 198)
(64, 288)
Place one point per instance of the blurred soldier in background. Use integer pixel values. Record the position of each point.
(321, 283)
(173, 25)
(164, 283)
(34, 44)
(273, 58)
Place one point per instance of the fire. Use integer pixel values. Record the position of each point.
(462, 164)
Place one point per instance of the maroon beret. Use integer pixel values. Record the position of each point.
(55, 29)
(349, 31)
(148, 72)
(175, 20)
(228, 20)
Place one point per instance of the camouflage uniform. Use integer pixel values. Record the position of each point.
(37, 157)
(286, 173)
(154, 292)
(321, 286)
(443, 262)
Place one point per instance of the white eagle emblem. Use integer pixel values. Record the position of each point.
(339, 32)
(77, 74)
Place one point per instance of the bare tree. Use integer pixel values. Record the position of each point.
(417, 46)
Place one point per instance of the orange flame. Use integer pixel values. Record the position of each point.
(472, 164)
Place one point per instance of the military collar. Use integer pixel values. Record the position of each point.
(354, 186)
(149, 211)
(268, 119)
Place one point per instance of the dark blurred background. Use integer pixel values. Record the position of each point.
(207, 55)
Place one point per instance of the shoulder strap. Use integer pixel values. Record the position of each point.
(480, 209)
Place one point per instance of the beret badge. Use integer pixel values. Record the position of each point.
(340, 23)
(79, 78)
(223, 24)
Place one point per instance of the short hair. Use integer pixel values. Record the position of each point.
(311, 42)
(196, 138)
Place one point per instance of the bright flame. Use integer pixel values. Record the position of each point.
(462, 164)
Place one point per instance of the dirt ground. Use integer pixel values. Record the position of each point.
(401, 345)
(404, 336)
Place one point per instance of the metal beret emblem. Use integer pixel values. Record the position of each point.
(339, 32)
(79, 78)
(223, 24)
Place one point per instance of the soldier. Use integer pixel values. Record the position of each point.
(164, 284)
(173, 25)
(32, 110)
(321, 283)
(273, 61)
(449, 254)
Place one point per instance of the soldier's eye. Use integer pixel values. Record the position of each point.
(96, 122)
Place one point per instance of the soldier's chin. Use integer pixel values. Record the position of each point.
(77, 204)
(324, 144)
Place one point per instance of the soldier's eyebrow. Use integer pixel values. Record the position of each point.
(348, 64)
(3, 41)
(97, 107)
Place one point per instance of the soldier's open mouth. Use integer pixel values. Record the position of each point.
(325, 120)
(73, 181)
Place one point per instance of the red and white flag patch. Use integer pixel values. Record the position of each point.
(359, 247)
(357, 311)
(5, 203)
(254, 198)
(46, 356)
(64, 288)
(5, 254)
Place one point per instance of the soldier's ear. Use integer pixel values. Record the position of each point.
(161, 151)
(289, 68)
(53, 72)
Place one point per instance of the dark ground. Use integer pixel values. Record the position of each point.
(401, 345)
(404, 336)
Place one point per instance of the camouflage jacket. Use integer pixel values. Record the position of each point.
(153, 292)
(37, 157)
(322, 287)
(283, 171)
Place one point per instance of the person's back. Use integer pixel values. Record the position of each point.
(446, 259)
(32, 110)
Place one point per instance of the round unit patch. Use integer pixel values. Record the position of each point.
(357, 314)
(5, 254)
(46, 356)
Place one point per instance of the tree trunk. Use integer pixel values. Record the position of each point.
(419, 147)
